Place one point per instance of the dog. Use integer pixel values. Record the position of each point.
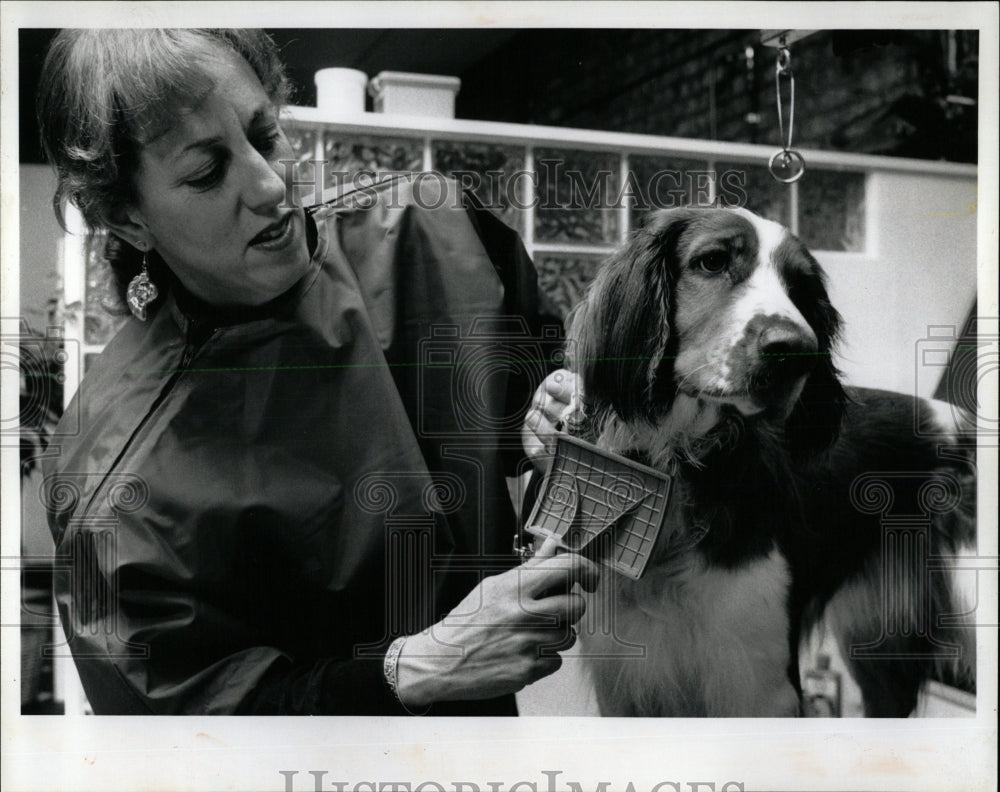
(704, 348)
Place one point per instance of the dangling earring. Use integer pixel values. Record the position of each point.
(141, 292)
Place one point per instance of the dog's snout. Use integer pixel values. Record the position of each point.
(785, 339)
(786, 350)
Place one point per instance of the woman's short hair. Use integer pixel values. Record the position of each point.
(104, 93)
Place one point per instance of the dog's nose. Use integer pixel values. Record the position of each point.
(787, 351)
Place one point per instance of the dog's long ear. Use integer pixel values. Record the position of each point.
(619, 334)
(815, 421)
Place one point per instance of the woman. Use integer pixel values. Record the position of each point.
(269, 507)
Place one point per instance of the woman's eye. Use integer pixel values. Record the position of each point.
(267, 142)
(712, 263)
(208, 178)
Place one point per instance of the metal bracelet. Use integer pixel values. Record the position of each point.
(390, 666)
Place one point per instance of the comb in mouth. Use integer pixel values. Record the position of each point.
(274, 236)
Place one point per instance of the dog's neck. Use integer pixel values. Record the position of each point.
(685, 435)
(724, 468)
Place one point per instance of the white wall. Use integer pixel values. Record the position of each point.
(40, 243)
(919, 271)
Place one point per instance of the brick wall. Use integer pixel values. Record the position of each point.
(873, 92)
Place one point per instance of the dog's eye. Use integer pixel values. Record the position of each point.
(712, 263)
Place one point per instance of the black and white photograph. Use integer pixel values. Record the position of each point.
(557, 396)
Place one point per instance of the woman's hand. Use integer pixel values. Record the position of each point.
(502, 636)
(556, 398)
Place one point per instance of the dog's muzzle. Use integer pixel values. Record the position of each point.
(786, 353)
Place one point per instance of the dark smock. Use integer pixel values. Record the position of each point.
(257, 503)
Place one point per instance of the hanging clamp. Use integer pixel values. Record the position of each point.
(787, 165)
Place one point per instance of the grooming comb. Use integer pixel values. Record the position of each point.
(601, 505)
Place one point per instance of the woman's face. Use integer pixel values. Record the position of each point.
(212, 195)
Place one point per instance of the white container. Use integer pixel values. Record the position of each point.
(406, 93)
(341, 91)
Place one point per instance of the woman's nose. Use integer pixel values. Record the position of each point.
(265, 187)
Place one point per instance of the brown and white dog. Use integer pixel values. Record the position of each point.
(704, 348)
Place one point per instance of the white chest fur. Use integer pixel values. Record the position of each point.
(692, 641)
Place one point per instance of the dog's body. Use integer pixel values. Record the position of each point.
(704, 349)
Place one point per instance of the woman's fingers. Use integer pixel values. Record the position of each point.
(550, 403)
(544, 666)
(537, 436)
(549, 546)
(560, 609)
(560, 385)
(541, 576)
(503, 636)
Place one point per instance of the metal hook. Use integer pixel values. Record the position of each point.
(784, 60)
(786, 142)
(782, 166)
(787, 165)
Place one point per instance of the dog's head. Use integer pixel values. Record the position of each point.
(711, 313)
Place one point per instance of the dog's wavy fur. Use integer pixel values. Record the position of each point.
(763, 533)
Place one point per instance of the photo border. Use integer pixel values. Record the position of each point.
(249, 753)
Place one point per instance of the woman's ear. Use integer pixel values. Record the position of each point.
(129, 224)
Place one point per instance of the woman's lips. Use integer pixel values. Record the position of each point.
(274, 235)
